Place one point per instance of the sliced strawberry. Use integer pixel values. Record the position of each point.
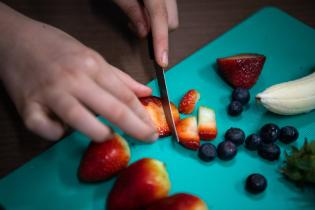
(188, 102)
(188, 133)
(207, 127)
(154, 107)
(102, 161)
(241, 70)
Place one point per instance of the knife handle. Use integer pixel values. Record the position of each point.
(150, 46)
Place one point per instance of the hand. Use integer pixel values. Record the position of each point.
(54, 79)
(156, 15)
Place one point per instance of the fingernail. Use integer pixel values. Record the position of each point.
(165, 59)
(154, 137)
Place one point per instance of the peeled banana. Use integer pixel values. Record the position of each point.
(290, 98)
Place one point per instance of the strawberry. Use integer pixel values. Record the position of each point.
(207, 127)
(139, 185)
(154, 107)
(241, 70)
(102, 161)
(181, 201)
(188, 102)
(188, 133)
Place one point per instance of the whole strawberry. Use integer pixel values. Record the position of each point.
(102, 161)
(180, 201)
(140, 184)
(241, 70)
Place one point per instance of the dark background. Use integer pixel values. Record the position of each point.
(101, 26)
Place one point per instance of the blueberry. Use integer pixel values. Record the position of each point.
(269, 133)
(235, 135)
(288, 134)
(226, 150)
(235, 108)
(253, 142)
(241, 94)
(269, 151)
(207, 152)
(256, 183)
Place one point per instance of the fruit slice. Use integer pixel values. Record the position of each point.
(188, 133)
(103, 160)
(181, 201)
(207, 127)
(141, 184)
(154, 107)
(241, 70)
(188, 102)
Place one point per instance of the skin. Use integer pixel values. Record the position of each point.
(55, 81)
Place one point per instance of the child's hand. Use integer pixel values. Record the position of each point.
(54, 79)
(156, 15)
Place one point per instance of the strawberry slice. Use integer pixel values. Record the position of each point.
(188, 102)
(188, 133)
(241, 70)
(102, 161)
(207, 127)
(154, 107)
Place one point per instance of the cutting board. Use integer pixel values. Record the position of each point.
(49, 181)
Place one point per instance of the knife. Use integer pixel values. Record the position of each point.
(159, 71)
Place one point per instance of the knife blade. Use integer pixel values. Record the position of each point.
(159, 71)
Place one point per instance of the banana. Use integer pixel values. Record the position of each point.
(290, 98)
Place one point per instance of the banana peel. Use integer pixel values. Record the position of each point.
(290, 98)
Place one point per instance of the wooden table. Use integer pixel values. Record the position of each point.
(101, 26)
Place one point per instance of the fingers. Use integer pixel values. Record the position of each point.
(139, 89)
(136, 14)
(159, 15)
(118, 113)
(36, 119)
(159, 26)
(172, 14)
(72, 112)
(113, 84)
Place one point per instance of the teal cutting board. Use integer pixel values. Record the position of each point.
(49, 181)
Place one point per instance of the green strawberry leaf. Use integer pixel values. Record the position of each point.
(312, 147)
(299, 165)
